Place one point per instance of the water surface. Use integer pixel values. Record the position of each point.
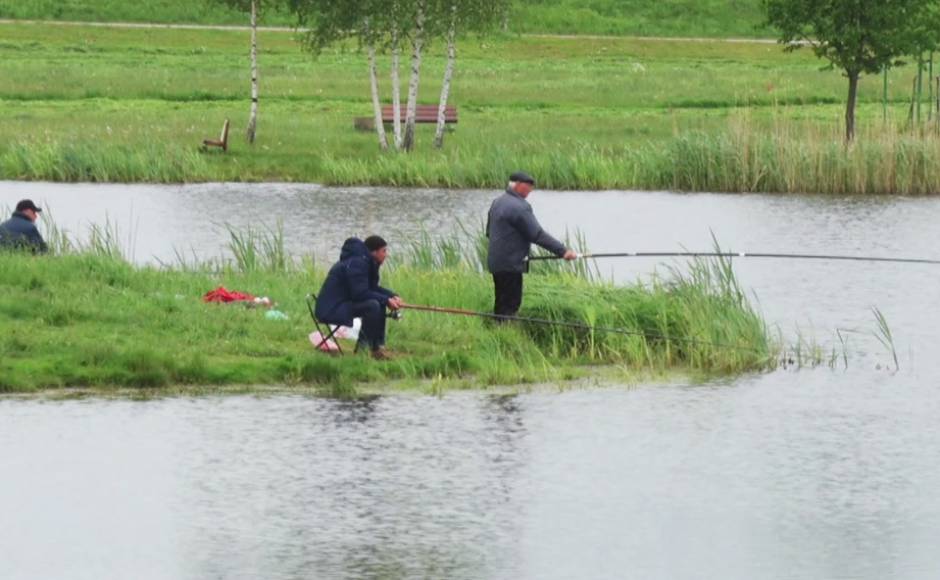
(826, 473)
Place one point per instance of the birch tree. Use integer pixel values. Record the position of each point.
(329, 22)
(417, 46)
(448, 73)
(480, 16)
(253, 8)
(374, 86)
(395, 31)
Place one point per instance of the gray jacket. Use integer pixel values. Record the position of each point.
(20, 232)
(512, 228)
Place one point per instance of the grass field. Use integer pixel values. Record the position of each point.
(87, 318)
(93, 104)
(714, 18)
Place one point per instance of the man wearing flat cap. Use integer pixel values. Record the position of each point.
(20, 232)
(512, 228)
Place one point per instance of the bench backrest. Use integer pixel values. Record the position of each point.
(224, 137)
(421, 112)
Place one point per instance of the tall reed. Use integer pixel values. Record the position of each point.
(776, 155)
(92, 161)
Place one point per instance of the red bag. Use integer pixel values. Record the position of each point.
(220, 294)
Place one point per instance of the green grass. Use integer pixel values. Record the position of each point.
(84, 317)
(90, 104)
(713, 18)
(706, 18)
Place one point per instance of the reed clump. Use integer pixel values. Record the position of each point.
(91, 162)
(798, 158)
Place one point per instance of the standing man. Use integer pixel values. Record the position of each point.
(20, 231)
(511, 228)
(352, 290)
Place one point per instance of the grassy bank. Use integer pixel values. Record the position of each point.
(88, 104)
(88, 318)
(718, 18)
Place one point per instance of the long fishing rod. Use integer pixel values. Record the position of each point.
(578, 325)
(741, 255)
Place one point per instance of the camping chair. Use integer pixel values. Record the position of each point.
(325, 336)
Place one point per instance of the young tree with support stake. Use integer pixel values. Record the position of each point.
(254, 9)
(857, 36)
(926, 39)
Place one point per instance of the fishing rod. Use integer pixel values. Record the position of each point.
(741, 255)
(577, 325)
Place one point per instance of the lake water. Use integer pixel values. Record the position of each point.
(825, 473)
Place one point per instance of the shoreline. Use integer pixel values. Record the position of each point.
(599, 378)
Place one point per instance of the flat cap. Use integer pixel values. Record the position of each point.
(521, 177)
(26, 204)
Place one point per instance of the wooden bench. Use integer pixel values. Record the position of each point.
(423, 114)
(221, 142)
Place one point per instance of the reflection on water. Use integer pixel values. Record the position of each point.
(809, 475)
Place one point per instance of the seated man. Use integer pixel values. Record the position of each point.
(20, 232)
(352, 290)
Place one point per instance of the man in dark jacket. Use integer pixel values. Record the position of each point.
(352, 290)
(20, 232)
(511, 228)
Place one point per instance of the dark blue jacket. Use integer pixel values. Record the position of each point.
(20, 232)
(355, 278)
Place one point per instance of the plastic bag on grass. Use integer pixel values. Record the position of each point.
(328, 346)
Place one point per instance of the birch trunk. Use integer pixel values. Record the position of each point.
(253, 117)
(396, 81)
(448, 75)
(376, 103)
(417, 43)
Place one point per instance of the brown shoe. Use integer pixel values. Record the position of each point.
(381, 353)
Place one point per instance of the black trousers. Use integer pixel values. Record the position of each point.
(508, 291)
(372, 333)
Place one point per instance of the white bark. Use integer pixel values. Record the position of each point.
(417, 43)
(376, 103)
(253, 117)
(396, 85)
(448, 75)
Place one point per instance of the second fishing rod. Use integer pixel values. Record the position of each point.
(731, 255)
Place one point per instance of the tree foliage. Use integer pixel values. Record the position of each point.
(857, 36)
(379, 25)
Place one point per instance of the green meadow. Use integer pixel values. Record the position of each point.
(124, 105)
(716, 18)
